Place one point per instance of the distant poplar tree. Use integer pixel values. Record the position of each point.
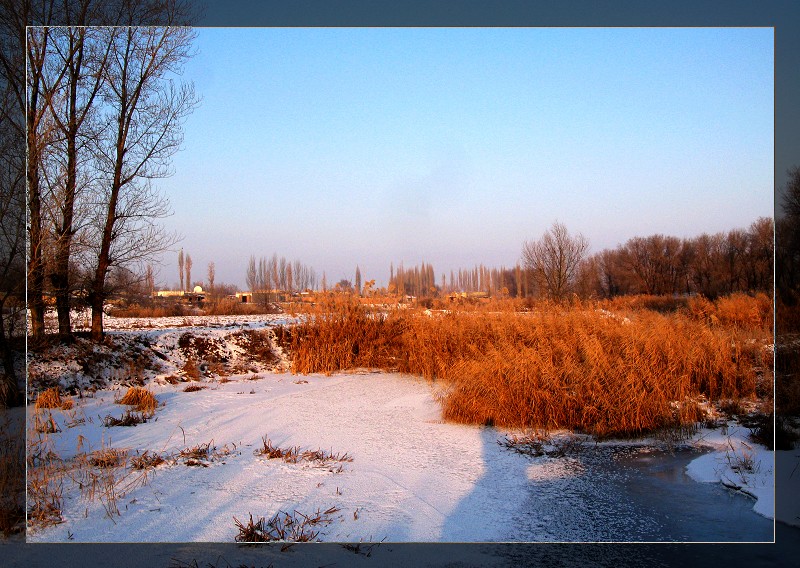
(358, 280)
(180, 267)
(211, 274)
(252, 277)
(188, 273)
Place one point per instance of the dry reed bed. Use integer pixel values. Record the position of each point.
(577, 368)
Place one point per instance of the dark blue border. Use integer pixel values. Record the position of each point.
(784, 16)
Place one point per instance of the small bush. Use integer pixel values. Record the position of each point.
(194, 388)
(51, 398)
(141, 399)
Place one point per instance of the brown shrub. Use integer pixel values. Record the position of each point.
(141, 399)
(256, 344)
(234, 308)
(51, 398)
(191, 370)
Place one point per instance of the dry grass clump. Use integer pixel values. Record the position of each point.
(202, 454)
(51, 398)
(141, 399)
(289, 455)
(108, 458)
(45, 498)
(130, 418)
(661, 304)
(352, 336)
(318, 457)
(200, 451)
(194, 388)
(573, 367)
(324, 457)
(42, 425)
(284, 527)
(537, 443)
(146, 460)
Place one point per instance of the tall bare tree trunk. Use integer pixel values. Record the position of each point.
(35, 233)
(97, 294)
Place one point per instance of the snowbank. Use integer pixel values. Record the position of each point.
(738, 464)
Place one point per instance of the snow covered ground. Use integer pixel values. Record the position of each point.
(412, 477)
(408, 471)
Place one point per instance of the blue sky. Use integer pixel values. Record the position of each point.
(342, 147)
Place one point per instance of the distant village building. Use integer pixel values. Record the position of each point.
(169, 293)
(195, 297)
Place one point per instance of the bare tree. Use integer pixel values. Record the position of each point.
(38, 131)
(252, 276)
(180, 268)
(554, 260)
(188, 273)
(210, 275)
(787, 239)
(264, 276)
(149, 281)
(12, 194)
(80, 59)
(12, 243)
(146, 112)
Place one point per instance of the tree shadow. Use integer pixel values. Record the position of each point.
(487, 513)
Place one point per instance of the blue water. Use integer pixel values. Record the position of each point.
(624, 494)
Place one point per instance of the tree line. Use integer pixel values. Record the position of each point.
(739, 260)
(558, 265)
(268, 277)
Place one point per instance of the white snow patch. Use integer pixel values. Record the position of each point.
(739, 464)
